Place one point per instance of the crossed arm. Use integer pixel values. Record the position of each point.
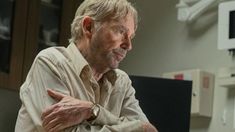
(69, 112)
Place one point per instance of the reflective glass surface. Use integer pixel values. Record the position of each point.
(49, 23)
(6, 17)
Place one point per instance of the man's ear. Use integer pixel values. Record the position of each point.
(87, 26)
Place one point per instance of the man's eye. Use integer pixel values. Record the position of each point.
(122, 31)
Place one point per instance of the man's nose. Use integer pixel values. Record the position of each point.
(127, 44)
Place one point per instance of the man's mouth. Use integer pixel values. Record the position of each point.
(119, 56)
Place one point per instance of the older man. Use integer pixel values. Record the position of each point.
(86, 90)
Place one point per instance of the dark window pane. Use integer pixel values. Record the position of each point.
(6, 16)
(49, 23)
(232, 24)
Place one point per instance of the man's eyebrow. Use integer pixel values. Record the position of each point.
(126, 29)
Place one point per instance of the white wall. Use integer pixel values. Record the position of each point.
(163, 44)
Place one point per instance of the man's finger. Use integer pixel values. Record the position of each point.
(48, 111)
(57, 128)
(55, 95)
(50, 123)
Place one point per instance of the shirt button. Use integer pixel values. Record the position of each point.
(88, 127)
(94, 86)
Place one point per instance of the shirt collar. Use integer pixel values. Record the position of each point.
(77, 58)
(111, 76)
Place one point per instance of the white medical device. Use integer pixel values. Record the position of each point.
(190, 10)
(226, 26)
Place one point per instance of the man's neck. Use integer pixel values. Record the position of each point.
(97, 69)
(97, 75)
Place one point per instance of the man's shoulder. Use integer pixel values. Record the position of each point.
(54, 54)
(121, 74)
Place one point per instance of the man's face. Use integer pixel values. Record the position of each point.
(111, 42)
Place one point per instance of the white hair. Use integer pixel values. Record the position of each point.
(101, 10)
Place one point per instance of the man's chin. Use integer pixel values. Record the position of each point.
(114, 65)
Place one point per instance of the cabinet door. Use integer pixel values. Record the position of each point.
(13, 15)
(48, 25)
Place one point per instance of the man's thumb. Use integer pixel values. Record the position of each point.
(55, 95)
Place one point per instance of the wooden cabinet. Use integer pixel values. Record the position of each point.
(26, 27)
(12, 42)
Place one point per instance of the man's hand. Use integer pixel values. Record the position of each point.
(66, 113)
(149, 127)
